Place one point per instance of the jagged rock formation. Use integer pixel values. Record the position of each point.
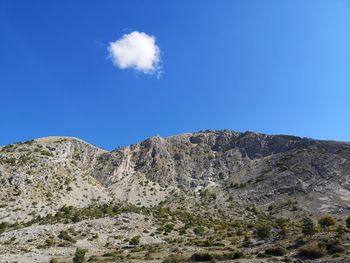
(250, 167)
(215, 179)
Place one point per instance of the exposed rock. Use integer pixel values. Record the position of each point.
(221, 175)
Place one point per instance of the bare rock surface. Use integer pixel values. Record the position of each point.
(157, 191)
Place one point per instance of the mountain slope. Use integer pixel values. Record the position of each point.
(250, 167)
(40, 176)
(203, 191)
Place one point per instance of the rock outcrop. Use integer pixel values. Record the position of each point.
(248, 167)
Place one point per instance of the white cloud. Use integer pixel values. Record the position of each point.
(138, 51)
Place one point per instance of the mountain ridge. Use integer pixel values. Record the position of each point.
(170, 136)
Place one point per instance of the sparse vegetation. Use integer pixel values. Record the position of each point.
(3, 227)
(188, 225)
(276, 251)
(80, 255)
(263, 230)
(327, 221)
(198, 230)
(64, 235)
(308, 226)
(348, 222)
(135, 240)
(312, 250)
(174, 259)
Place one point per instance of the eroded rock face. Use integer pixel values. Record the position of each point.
(190, 160)
(249, 167)
(209, 178)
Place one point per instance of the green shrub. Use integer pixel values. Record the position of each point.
(326, 221)
(135, 241)
(263, 231)
(174, 259)
(308, 227)
(168, 228)
(347, 222)
(198, 230)
(312, 250)
(76, 218)
(202, 257)
(80, 255)
(276, 251)
(335, 246)
(229, 256)
(340, 230)
(65, 236)
(3, 227)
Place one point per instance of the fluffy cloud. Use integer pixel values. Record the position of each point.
(138, 51)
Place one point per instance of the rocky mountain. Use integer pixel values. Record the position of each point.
(172, 185)
(250, 167)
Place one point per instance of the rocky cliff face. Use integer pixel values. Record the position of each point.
(248, 167)
(164, 190)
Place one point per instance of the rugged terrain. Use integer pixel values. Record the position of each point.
(204, 196)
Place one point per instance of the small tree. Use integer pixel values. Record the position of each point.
(65, 236)
(168, 228)
(79, 256)
(135, 240)
(263, 231)
(76, 218)
(174, 259)
(326, 221)
(198, 230)
(348, 222)
(3, 227)
(308, 227)
(312, 250)
(276, 251)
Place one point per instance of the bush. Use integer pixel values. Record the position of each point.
(276, 251)
(76, 218)
(199, 230)
(134, 241)
(3, 227)
(168, 228)
(203, 257)
(174, 259)
(347, 222)
(199, 257)
(263, 231)
(335, 246)
(326, 221)
(229, 256)
(308, 227)
(79, 256)
(312, 250)
(65, 236)
(340, 230)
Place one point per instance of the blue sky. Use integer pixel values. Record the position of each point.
(277, 67)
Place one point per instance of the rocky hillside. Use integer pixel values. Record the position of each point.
(208, 178)
(250, 167)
